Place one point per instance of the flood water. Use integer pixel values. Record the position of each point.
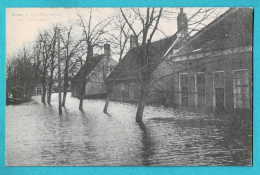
(37, 136)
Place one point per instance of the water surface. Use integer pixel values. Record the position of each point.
(37, 136)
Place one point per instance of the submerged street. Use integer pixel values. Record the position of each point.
(37, 135)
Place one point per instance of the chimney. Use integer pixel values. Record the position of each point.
(133, 41)
(182, 23)
(107, 49)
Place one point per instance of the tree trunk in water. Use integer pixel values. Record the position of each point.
(107, 103)
(44, 84)
(141, 105)
(64, 97)
(82, 93)
(107, 100)
(43, 93)
(84, 80)
(52, 69)
(65, 82)
(49, 96)
(65, 85)
(50, 88)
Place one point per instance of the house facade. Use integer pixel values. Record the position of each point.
(124, 78)
(95, 86)
(211, 70)
(127, 91)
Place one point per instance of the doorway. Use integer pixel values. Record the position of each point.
(220, 97)
(219, 91)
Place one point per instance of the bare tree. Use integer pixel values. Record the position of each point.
(71, 47)
(119, 40)
(20, 77)
(93, 36)
(120, 35)
(197, 22)
(36, 61)
(149, 22)
(52, 62)
(46, 42)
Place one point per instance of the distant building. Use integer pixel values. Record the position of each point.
(38, 89)
(100, 68)
(209, 70)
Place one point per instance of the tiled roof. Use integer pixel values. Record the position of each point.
(127, 67)
(87, 68)
(232, 29)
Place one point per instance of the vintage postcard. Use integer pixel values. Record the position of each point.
(129, 86)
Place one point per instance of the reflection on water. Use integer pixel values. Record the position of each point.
(147, 145)
(37, 136)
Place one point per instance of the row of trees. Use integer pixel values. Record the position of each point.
(38, 63)
(20, 74)
(83, 39)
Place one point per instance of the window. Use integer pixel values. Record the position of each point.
(38, 90)
(241, 89)
(184, 89)
(122, 86)
(117, 92)
(124, 91)
(219, 90)
(133, 91)
(201, 89)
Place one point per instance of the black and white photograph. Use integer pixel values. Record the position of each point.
(139, 86)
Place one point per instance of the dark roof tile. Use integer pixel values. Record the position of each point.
(87, 67)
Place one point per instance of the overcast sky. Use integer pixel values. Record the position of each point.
(23, 24)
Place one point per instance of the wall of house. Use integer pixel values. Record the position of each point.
(161, 86)
(227, 64)
(75, 88)
(203, 85)
(95, 87)
(125, 91)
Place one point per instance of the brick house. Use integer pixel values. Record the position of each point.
(99, 68)
(213, 68)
